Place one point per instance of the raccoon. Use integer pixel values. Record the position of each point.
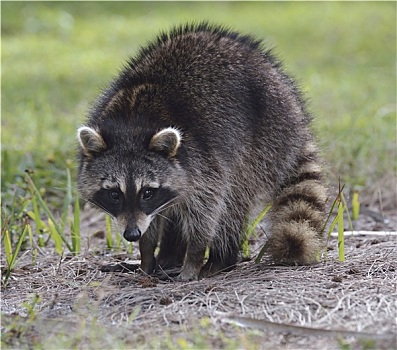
(196, 128)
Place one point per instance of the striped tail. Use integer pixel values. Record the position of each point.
(298, 216)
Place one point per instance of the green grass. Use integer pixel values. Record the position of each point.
(56, 56)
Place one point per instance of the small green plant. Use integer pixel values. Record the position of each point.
(331, 226)
(251, 229)
(30, 203)
(75, 227)
(114, 240)
(261, 253)
(109, 235)
(11, 256)
(341, 205)
(56, 228)
(355, 205)
(30, 306)
(257, 220)
(341, 238)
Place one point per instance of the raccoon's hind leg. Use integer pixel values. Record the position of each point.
(223, 255)
(225, 247)
(297, 217)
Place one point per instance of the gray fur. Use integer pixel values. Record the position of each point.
(212, 118)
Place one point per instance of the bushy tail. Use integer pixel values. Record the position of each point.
(298, 216)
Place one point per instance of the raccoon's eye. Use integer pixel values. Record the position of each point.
(147, 193)
(114, 195)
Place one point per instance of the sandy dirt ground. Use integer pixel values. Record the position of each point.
(329, 305)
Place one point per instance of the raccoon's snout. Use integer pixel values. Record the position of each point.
(132, 234)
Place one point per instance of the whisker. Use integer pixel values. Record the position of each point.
(100, 207)
(156, 212)
(163, 216)
(164, 206)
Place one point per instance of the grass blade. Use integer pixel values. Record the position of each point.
(68, 199)
(347, 212)
(245, 247)
(38, 222)
(341, 240)
(257, 220)
(331, 227)
(250, 229)
(355, 206)
(75, 229)
(34, 247)
(332, 209)
(261, 253)
(47, 211)
(40, 226)
(8, 248)
(55, 236)
(18, 247)
(12, 256)
(109, 237)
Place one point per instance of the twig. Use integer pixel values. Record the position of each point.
(300, 330)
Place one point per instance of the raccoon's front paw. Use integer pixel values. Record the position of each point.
(169, 263)
(148, 266)
(210, 269)
(121, 267)
(188, 274)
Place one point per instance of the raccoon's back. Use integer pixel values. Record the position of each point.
(210, 81)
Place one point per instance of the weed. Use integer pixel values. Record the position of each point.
(341, 208)
(55, 227)
(113, 239)
(75, 227)
(11, 256)
(31, 205)
(355, 206)
(261, 253)
(251, 229)
(30, 306)
(109, 235)
(341, 238)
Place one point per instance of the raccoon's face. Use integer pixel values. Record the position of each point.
(131, 179)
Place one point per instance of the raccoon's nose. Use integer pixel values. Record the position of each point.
(132, 234)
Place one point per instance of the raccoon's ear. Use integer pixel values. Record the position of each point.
(90, 140)
(166, 140)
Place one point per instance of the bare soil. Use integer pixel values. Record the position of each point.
(338, 304)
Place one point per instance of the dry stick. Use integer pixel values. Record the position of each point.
(366, 233)
(301, 330)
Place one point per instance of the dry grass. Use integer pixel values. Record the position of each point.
(77, 298)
